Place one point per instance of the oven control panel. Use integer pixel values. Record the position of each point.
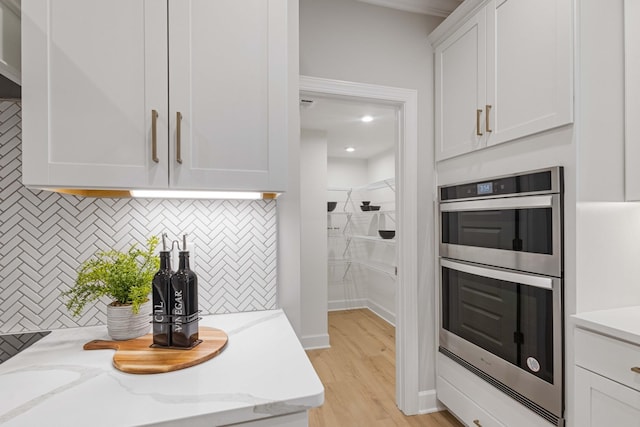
(534, 182)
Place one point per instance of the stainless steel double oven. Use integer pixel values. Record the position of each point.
(501, 270)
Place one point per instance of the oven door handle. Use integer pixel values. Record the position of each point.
(508, 276)
(529, 202)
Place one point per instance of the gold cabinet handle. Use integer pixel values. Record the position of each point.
(477, 422)
(178, 144)
(488, 126)
(154, 136)
(478, 114)
(635, 369)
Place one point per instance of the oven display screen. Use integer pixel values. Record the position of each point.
(485, 188)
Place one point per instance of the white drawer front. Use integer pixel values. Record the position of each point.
(602, 402)
(608, 357)
(465, 409)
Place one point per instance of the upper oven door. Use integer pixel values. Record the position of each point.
(520, 233)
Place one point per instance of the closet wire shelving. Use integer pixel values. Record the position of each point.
(349, 237)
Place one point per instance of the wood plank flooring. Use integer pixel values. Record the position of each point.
(358, 373)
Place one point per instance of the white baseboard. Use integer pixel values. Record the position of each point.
(347, 304)
(353, 304)
(382, 312)
(313, 342)
(428, 402)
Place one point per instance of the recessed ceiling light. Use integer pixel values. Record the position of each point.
(367, 119)
(349, 149)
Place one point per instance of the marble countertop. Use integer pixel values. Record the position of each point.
(621, 323)
(262, 372)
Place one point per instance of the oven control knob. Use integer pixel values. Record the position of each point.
(533, 364)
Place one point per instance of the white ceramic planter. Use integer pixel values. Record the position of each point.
(123, 324)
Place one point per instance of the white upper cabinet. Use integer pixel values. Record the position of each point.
(105, 81)
(460, 89)
(93, 72)
(529, 67)
(526, 86)
(228, 79)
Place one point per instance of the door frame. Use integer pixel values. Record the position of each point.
(407, 343)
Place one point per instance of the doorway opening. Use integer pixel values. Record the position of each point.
(402, 206)
(360, 138)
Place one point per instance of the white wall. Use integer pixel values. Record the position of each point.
(381, 287)
(344, 172)
(313, 238)
(354, 41)
(381, 166)
(609, 255)
(289, 203)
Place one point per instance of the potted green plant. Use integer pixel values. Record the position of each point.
(126, 278)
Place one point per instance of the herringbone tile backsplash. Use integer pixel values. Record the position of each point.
(44, 237)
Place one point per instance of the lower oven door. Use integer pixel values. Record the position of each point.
(508, 326)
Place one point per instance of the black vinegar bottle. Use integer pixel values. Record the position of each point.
(184, 303)
(161, 287)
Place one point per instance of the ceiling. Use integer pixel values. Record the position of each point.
(341, 120)
(428, 7)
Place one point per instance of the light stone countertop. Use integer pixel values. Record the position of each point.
(262, 372)
(621, 323)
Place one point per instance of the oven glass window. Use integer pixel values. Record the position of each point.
(511, 320)
(526, 230)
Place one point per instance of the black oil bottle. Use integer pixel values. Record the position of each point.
(184, 303)
(161, 289)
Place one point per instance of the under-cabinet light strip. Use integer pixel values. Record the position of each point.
(161, 194)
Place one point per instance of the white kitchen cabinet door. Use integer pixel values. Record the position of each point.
(602, 402)
(460, 89)
(505, 73)
(227, 80)
(632, 99)
(93, 71)
(529, 67)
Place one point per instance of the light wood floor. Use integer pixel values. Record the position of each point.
(358, 373)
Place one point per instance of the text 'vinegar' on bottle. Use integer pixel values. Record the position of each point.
(184, 304)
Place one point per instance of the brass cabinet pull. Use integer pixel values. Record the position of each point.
(488, 126)
(477, 422)
(635, 369)
(478, 113)
(178, 145)
(154, 136)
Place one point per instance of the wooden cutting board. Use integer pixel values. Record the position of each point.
(136, 356)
